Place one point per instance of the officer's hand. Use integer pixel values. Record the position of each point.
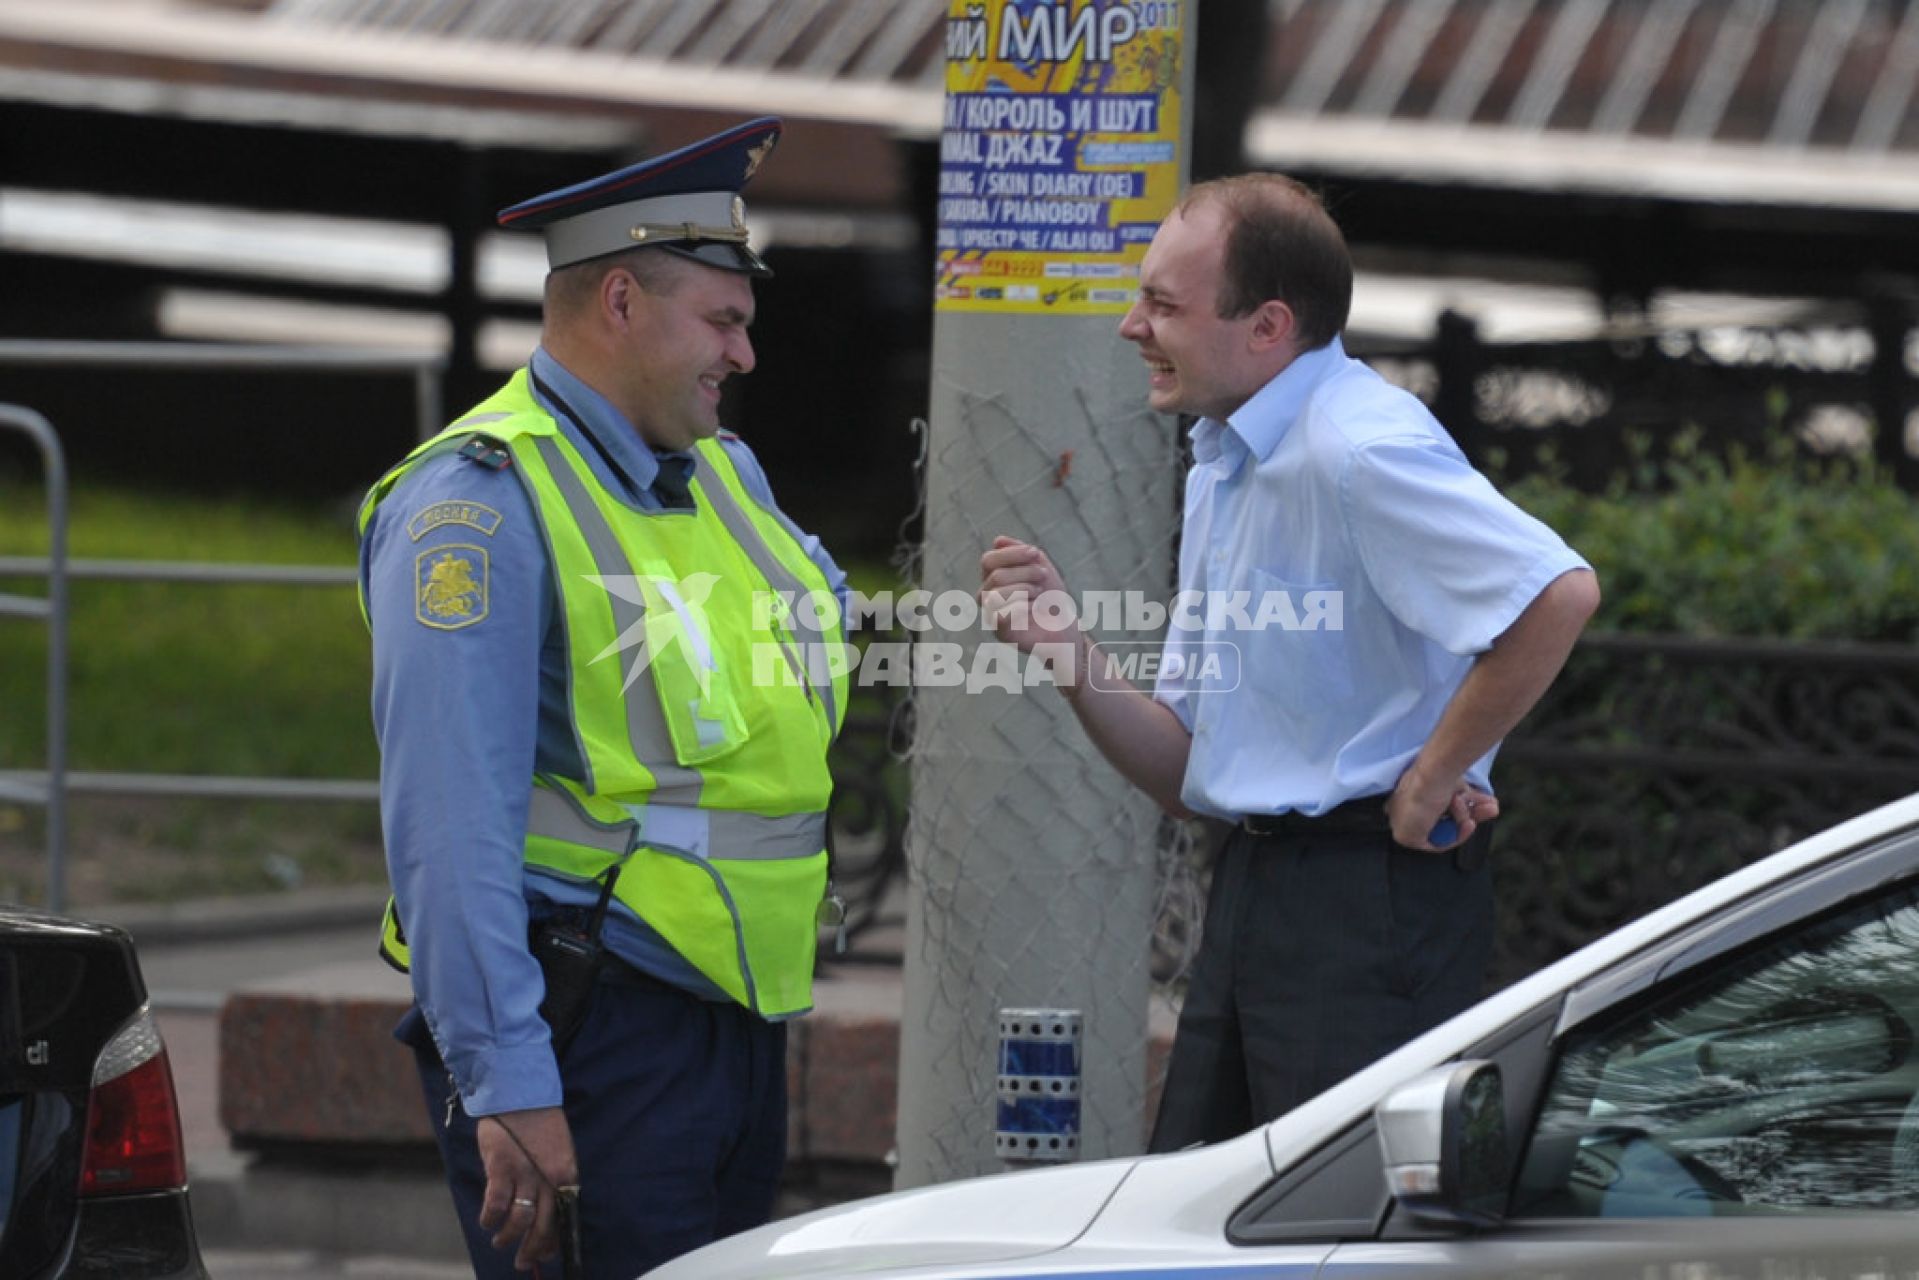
(1415, 808)
(1024, 597)
(528, 1155)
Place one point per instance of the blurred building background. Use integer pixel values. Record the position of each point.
(1574, 218)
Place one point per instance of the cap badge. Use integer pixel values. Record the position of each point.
(643, 233)
(756, 154)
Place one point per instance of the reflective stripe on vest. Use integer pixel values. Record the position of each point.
(700, 832)
(554, 814)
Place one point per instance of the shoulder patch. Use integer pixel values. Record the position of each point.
(474, 515)
(450, 586)
(488, 452)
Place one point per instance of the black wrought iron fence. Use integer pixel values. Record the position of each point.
(1658, 763)
(869, 813)
(1834, 377)
(1654, 765)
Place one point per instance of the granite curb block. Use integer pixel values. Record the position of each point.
(311, 1079)
(356, 1084)
(358, 1088)
(353, 1159)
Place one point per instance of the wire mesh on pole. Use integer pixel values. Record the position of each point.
(1033, 867)
(1031, 862)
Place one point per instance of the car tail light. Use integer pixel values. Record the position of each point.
(133, 1121)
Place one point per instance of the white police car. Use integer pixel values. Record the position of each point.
(1729, 1086)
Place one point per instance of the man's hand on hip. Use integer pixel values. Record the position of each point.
(1416, 807)
(528, 1156)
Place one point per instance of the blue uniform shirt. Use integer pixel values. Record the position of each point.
(1352, 564)
(468, 704)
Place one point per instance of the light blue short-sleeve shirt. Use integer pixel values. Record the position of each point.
(1341, 565)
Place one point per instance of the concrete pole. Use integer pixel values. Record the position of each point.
(1031, 862)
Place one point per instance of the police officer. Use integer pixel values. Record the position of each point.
(603, 737)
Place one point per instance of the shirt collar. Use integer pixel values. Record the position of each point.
(1258, 425)
(616, 439)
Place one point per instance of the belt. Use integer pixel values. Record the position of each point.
(1364, 816)
(618, 973)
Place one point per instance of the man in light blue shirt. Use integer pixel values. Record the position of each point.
(1362, 618)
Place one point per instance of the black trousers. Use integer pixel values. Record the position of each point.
(678, 1112)
(1321, 953)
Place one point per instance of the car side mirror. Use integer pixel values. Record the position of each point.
(1443, 1136)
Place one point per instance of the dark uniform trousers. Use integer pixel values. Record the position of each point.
(678, 1111)
(1322, 951)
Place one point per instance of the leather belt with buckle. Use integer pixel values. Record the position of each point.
(1365, 816)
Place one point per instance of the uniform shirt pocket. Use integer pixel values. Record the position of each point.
(1297, 649)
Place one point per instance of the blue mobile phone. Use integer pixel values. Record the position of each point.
(1444, 832)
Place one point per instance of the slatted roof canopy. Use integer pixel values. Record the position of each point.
(1789, 102)
(1757, 146)
(1780, 73)
(1623, 149)
(1793, 102)
(1775, 101)
(892, 40)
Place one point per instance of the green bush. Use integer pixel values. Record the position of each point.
(1780, 546)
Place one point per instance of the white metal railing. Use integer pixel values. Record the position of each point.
(51, 353)
(51, 786)
(20, 783)
(48, 788)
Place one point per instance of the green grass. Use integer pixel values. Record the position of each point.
(196, 679)
(190, 678)
(193, 679)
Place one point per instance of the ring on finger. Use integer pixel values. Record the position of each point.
(521, 1202)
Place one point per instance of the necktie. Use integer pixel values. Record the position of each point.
(671, 485)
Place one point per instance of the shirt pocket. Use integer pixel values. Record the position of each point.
(698, 697)
(1297, 649)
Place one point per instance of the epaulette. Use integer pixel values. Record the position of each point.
(488, 452)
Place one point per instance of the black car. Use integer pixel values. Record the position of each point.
(93, 1179)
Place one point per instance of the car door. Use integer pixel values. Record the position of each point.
(1743, 1100)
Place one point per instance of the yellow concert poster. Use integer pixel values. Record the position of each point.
(1059, 152)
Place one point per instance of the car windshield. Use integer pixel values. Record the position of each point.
(1783, 1080)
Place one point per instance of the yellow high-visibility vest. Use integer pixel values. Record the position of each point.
(707, 682)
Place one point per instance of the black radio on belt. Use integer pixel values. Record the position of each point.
(571, 956)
